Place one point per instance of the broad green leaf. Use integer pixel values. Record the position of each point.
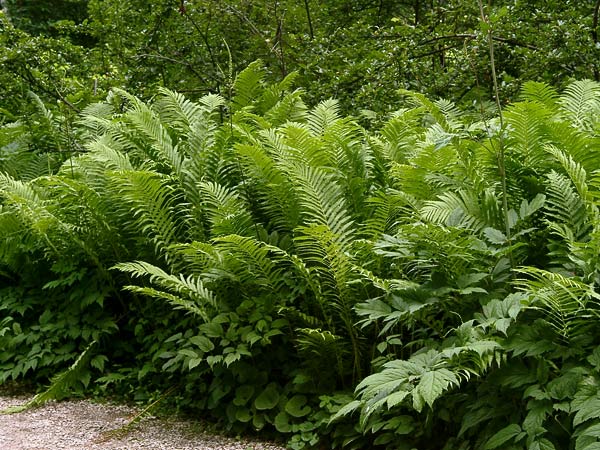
(243, 394)
(494, 236)
(203, 343)
(432, 385)
(528, 209)
(296, 406)
(268, 398)
(502, 436)
(282, 422)
(586, 410)
(542, 444)
(243, 414)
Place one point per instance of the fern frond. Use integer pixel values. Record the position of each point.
(176, 110)
(256, 264)
(276, 194)
(323, 116)
(529, 123)
(60, 384)
(248, 85)
(225, 210)
(322, 201)
(534, 91)
(580, 103)
(570, 306)
(565, 206)
(463, 209)
(182, 292)
(150, 204)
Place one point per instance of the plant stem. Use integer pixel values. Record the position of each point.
(500, 154)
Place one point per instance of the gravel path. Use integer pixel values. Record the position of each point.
(82, 425)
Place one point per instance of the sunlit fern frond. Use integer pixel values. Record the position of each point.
(529, 124)
(542, 93)
(463, 209)
(387, 209)
(570, 306)
(26, 165)
(146, 122)
(322, 201)
(580, 103)
(225, 210)
(60, 384)
(253, 262)
(151, 206)
(276, 194)
(443, 113)
(248, 85)
(176, 110)
(564, 206)
(96, 119)
(290, 108)
(323, 116)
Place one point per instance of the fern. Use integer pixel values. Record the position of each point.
(570, 306)
(580, 103)
(187, 293)
(60, 384)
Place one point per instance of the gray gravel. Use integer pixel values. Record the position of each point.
(83, 425)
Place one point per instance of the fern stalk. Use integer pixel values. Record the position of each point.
(501, 163)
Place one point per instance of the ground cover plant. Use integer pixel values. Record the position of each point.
(281, 267)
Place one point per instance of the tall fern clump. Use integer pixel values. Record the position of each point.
(493, 345)
(284, 268)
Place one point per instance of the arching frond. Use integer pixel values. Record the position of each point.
(255, 264)
(323, 116)
(276, 194)
(534, 91)
(580, 103)
(565, 207)
(187, 293)
(225, 210)
(150, 206)
(176, 110)
(322, 201)
(570, 306)
(463, 209)
(248, 85)
(529, 125)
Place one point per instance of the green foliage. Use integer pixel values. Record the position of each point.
(267, 258)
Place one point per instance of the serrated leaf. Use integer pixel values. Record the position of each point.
(528, 209)
(494, 236)
(502, 436)
(588, 409)
(346, 409)
(203, 343)
(432, 385)
(538, 411)
(194, 362)
(542, 444)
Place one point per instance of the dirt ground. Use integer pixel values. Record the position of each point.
(83, 425)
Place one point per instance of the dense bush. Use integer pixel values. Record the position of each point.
(261, 260)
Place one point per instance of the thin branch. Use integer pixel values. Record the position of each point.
(595, 36)
(473, 36)
(173, 60)
(501, 161)
(310, 25)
